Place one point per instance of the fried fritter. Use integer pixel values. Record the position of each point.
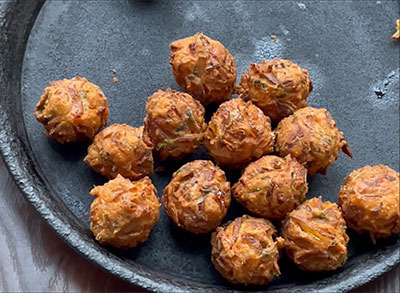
(315, 236)
(396, 35)
(174, 124)
(120, 149)
(278, 87)
(246, 251)
(203, 68)
(271, 187)
(124, 212)
(238, 133)
(369, 199)
(311, 136)
(72, 110)
(198, 197)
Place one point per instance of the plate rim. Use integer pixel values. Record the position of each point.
(15, 153)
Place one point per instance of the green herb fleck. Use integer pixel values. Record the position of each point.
(206, 190)
(323, 216)
(180, 128)
(83, 95)
(265, 252)
(189, 119)
(258, 189)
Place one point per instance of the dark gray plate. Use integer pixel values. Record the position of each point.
(346, 47)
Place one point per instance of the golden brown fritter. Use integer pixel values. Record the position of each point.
(311, 136)
(246, 251)
(124, 212)
(72, 110)
(120, 149)
(369, 199)
(396, 35)
(315, 236)
(203, 68)
(198, 197)
(271, 187)
(279, 87)
(238, 133)
(174, 124)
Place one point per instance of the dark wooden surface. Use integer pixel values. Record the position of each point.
(34, 258)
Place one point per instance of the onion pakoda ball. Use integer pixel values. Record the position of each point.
(278, 87)
(238, 133)
(369, 199)
(311, 136)
(272, 186)
(174, 124)
(124, 212)
(72, 110)
(315, 236)
(198, 197)
(203, 68)
(120, 149)
(246, 251)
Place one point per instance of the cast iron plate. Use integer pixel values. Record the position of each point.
(346, 47)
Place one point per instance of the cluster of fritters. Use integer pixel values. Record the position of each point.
(276, 163)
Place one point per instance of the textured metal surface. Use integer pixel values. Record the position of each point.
(353, 64)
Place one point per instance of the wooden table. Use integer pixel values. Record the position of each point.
(34, 258)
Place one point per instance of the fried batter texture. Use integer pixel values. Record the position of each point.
(203, 68)
(120, 149)
(311, 136)
(271, 187)
(124, 212)
(278, 87)
(246, 251)
(198, 197)
(238, 133)
(72, 110)
(369, 199)
(174, 124)
(315, 236)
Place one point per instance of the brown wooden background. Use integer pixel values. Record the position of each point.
(34, 259)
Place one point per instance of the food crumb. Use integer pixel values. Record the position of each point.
(115, 80)
(114, 71)
(273, 37)
(396, 35)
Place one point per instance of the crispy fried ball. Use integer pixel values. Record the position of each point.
(238, 133)
(271, 187)
(120, 149)
(311, 136)
(124, 212)
(369, 199)
(279, 87)
(203, 68)
(246, 251)
(198, 197)
(174, 124)
(72, 110)
(315, 236)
